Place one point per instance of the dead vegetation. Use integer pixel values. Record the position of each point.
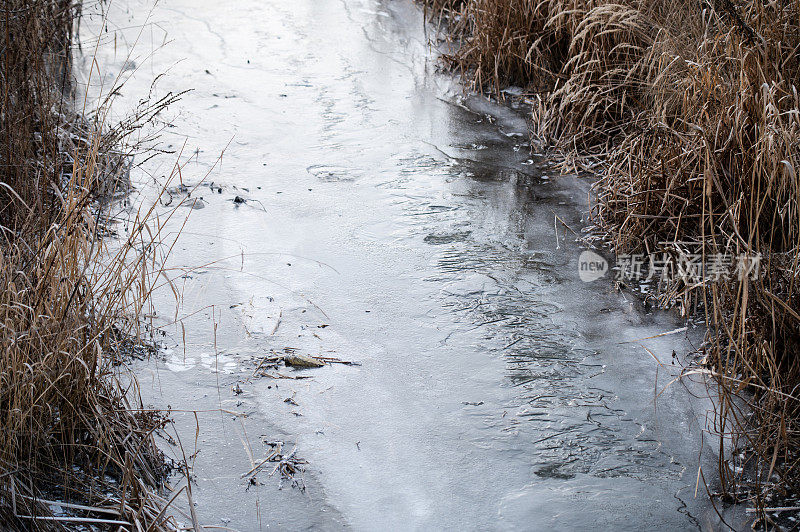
(290, 467)
(689, 113)
(76, 447)
(270, 365)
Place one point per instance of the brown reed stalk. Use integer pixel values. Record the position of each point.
(71, 433)
(691, 110)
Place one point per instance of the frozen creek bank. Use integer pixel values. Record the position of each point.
(391, 221)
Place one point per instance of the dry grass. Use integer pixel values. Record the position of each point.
(689, 112)
(68, 302)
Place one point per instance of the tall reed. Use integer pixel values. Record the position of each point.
(71, 434)
(689, 113)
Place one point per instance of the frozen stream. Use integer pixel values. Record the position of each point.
(392, 221)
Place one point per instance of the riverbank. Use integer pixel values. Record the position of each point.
(688, 114)
(77, 449)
